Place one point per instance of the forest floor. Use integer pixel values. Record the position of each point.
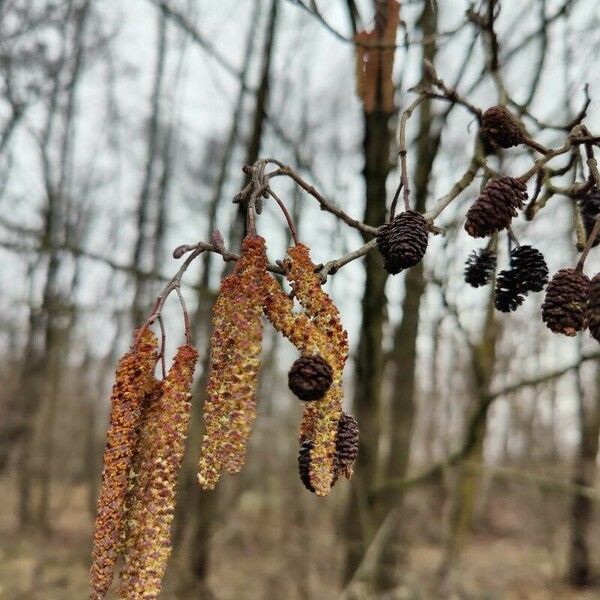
(263, 553)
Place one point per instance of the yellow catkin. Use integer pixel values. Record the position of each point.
(320, 418)
(302, 332)
(138, 476)
(236, 343)
(318, 305)
(162, 445)
(133, 380)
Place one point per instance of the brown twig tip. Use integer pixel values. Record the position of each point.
(180, 251)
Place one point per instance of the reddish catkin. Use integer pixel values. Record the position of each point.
(134, 379)
(162, 444)
(236, 343)
(320, 418)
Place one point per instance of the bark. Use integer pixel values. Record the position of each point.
(404, 354)
(44, 322)
(467, 483)
(358, 522)
(581, 517)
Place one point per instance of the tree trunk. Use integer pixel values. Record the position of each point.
(467, 482)
(358, 523)
(579, 573)
(404, 354)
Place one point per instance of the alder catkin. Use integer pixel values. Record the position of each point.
(236, 342)
(161, 453)
(134, 379)
(320, 418)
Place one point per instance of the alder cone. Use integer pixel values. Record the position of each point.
(530, 268)
(346, 444)
(495, 207)
(509, 293)
(479, 267)
(565, 306)
(499, 126)
(589, 207)
(304, 464)
(403, 241)
(310, 377)
(593, 307)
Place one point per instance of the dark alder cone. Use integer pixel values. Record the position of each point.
(346, 444)
(403, 241)
(529, 267)
(589, 206)
(304, 464)
(499, 127)
(593, 307)
(564, 308)
(479, 267)
(310, 377)
(509, 294)
(496, 206)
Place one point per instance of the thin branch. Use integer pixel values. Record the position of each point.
(324, 203)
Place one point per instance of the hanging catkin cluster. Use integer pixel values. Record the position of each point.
(134, 381)
(315, 377)
(320, 418)
(236, 343)
(145, 444)
(162, 445)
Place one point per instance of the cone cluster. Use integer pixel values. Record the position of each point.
(403, 241)
(565, 307)
(346, 451)
(593, 307)
(500, 128)
(346, 445)
(304, 464)
(310, 377)
(480, 267)
(528, 273)
(508, 294)
(495, 207)
(134, 380)
(589, 207)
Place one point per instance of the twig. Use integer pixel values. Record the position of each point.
(402, 152)
(333, 266)
(325, 204)
(457, 188)
(286, 213)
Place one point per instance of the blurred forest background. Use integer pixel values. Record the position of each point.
(123, 130)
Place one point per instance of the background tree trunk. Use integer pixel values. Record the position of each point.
(582, 509)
